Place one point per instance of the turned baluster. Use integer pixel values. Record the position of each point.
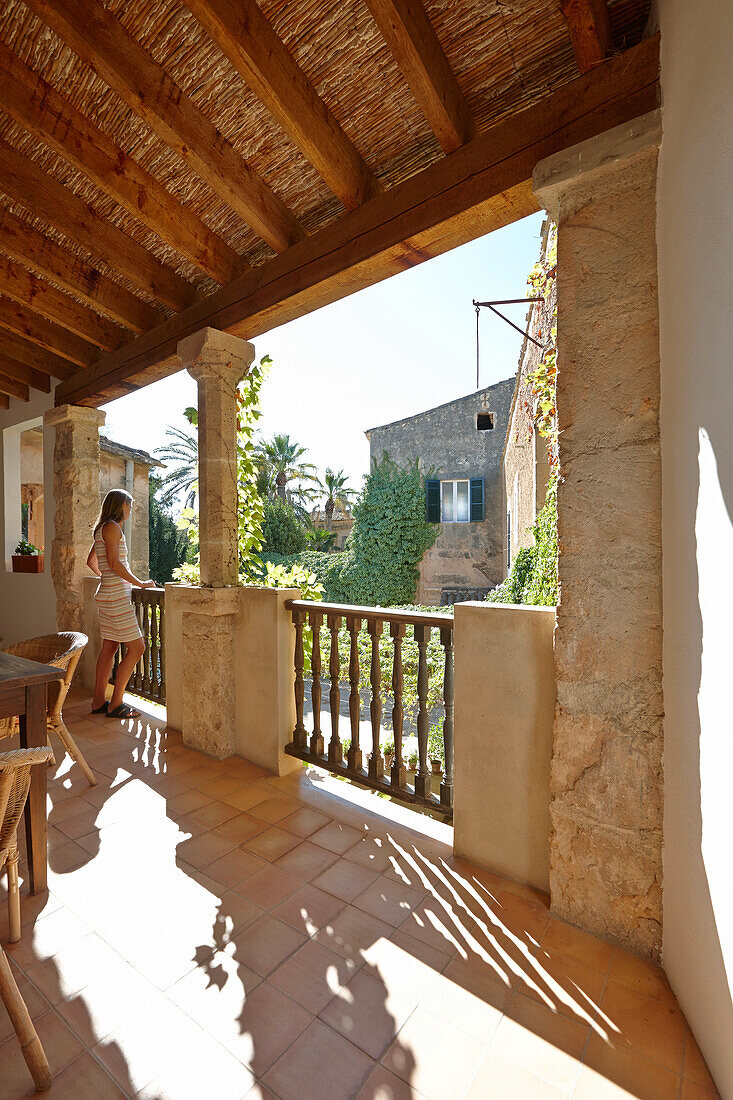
(162, 647)
(335, 752)
(353, 757)
(300, 737)
(376, 763)
(316, 621)
(146, 652)
(399, 774)
(154, 676)
(446, 787)
(423, 779)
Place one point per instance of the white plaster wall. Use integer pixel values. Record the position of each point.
(695, 238)
(27, 600)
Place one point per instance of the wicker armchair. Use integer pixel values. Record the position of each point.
(15, 778)
(61, 650)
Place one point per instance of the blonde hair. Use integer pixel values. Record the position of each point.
(112, 508)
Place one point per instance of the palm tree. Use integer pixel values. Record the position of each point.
(183, 449)
(335, 486)
(283, 456)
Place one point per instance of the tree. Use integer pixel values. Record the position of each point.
(283, 457)
(183, 449)
(335, 486)
(319, 539)
(168, 545)
(282, 532)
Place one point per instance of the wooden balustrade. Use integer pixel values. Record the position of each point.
(148, 677)
(321, 624)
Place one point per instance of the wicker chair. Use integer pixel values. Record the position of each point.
(15, 778)
(61, 650)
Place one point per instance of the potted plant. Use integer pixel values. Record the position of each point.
(27, 558)
(388, 751)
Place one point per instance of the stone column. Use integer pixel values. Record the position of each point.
(606, 786)
(77, 498)
(218, 362)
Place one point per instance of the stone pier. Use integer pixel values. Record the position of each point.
(606, 784)
(76, 495)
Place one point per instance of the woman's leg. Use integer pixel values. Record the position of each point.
(104, 668)
(133, 653)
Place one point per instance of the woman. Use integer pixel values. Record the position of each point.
(108, 559)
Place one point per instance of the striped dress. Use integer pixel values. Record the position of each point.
(117, 619)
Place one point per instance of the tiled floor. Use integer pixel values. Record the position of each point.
(214, 932)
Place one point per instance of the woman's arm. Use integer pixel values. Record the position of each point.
(93, 563)
(112, 536)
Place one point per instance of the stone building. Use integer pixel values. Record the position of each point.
(341, 524)
(459, 448)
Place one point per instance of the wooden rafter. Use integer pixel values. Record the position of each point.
(35, 104)
(413, 43)
(4, 401)
(590, 31)
(25, 182)
(30, 325)
(30, 355)
(102, 42)
(22, 242)
(483, 185)
(246, 38)
(11, 368)
(26, 289)
(13, 388)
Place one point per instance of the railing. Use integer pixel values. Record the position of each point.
(148, 678)
(431, 674)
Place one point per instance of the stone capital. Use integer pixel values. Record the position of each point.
(73, 414)
(211, 353)
(567, 180)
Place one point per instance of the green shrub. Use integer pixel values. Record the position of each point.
(533, 576)
(282, 531)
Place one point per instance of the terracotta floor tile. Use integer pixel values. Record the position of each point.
(47, 937)
(383, 1085)
(436, 1057)
(220, 786)
(307, 860)
(389, 901)
(220, 1075)
(212, 814)
(214, 994)
(234, 867)
(60, 1046)
(269, 886)
(274, 809)
(272, 843)
(35, 1002)
(309, 909)
(73, 968)
(692, 1091)
(646, 1025)
(264, 945)
(352, 932)
(693, 1063)
(640, 975)
(447, 999)
(313, 976)
(246, 797)
(336, 837)
(190, 800)
(369, 1014)
(565, 984)
(240, 828)
(416, 949)
(437, 925)
(345, 880)
(499, 1079)
(100, 1007)
(268, 1024)
(564, 939)
(610, 1073)
(375, 853)
(84, 1079)
(304, 822)
(202, 850)
(318, 1064)
(544, 1043)
(526, 918)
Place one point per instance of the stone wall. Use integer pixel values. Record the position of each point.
(606, 782)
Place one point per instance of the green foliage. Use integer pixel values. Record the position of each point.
(282, 531)
(282, 459)
(326, 567)
(168, 544)
(251, 512)
(318, 538)
(27, 549)
(182, 449)
(533, 576)
(296, 576)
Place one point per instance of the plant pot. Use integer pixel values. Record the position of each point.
(437, 765)
(388, 761)
(27, 563)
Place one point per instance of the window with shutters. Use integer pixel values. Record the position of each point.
(458, 500)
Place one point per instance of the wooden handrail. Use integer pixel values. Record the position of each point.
(375, 614)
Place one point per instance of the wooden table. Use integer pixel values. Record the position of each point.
(23, 693)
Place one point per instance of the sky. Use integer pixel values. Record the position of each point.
(392, 350)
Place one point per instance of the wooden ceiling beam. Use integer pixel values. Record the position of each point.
(482, 186)
(412, 41)
(32, 326)
(30, 355)
(11, 368)
(246, 38)
(102, 42)
(13, 388)
(26, 289)
(35, 104)
(45, 197)
(590, 31)
(22, 242)
(4, 401)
